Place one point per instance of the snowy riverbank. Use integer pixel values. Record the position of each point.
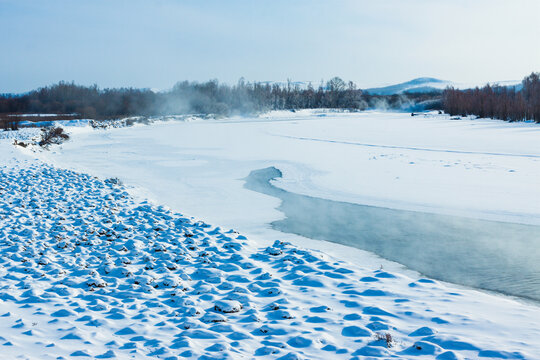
(90, 270)
(478, 169)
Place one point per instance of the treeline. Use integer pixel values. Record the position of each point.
(86, 101)
(500, 102)
(202, 98)
(212, 97)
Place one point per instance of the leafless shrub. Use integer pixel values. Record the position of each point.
(52, 136)
(7, 123)
(386, 337)
(20, 143)
(113, 181)
(117, 123)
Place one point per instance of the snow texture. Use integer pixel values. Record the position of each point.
(89, 270)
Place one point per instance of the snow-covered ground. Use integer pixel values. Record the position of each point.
(478, 168)
(89, 268)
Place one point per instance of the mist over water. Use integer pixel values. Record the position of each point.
(490, 255)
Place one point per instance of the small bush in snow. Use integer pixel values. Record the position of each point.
(52, 136)
(387, 338)
(20, 143)
(113, 181)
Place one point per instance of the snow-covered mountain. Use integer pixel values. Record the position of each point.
(428, 84)
(423, 84)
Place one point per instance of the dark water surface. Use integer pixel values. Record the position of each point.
(491, 255)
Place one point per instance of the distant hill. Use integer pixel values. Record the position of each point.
(419, 85)
(428, 84)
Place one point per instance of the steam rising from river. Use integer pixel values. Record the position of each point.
(485, 254)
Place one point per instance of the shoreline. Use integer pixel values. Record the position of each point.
(412, 300)
(382, 300)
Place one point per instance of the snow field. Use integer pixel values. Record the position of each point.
(87, 271)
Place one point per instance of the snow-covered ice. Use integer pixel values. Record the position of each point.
(90, 269)
(478, 168)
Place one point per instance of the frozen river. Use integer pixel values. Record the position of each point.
(454, 200)
(490, 255)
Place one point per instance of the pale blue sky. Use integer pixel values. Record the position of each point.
(156, 43)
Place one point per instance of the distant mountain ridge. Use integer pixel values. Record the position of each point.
(418, 85)
(429, 84)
